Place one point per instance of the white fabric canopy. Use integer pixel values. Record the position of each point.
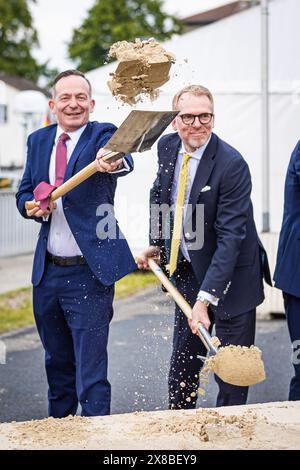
(224, 56)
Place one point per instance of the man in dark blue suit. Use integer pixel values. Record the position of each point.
(219, 262)
(287, 271)
(76, 264)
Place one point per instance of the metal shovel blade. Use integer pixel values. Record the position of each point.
(139, 131)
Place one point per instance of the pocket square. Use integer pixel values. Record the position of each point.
(206, 188)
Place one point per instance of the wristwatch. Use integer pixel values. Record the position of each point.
(203, 300)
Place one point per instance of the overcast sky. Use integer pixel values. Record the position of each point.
(56, 19)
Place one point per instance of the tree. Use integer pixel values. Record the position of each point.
(17, 38)
(109, 21)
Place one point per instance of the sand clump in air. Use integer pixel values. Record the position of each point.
(143, 67)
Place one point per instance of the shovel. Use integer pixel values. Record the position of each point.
(137, 133)
(183, 305)
(233, 364)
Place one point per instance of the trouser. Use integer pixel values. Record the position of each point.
(185, 366)
(72, 311)
(292, 310)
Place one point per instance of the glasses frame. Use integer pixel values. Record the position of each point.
(194, 118)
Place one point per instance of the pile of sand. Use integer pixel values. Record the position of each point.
(143, 67)
(264, 426)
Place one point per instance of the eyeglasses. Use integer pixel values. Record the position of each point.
(189, 119)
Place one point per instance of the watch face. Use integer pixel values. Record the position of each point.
(203, 300)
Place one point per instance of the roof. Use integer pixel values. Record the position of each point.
(218, 13)
(22, 84)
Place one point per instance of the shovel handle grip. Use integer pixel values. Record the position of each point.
(78, 178)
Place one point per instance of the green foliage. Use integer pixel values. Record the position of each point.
(109, 21)
(17, 37)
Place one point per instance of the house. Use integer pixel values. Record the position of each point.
(14, 127)
(216, 14)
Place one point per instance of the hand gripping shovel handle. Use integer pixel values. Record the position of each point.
(81, 176)
(183, 305)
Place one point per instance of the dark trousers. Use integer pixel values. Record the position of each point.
(185, 366)
(292, 310)
(72, 311)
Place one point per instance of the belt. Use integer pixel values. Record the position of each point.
(65, 260)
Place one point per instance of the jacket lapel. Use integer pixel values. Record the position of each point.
(204, 170)
(170, 157)
(45, 151)
(82, 142)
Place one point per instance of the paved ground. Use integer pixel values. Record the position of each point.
(15, 272)
(139, 351)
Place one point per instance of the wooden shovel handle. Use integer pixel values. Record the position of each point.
(81, 176)
(182, 304)
(179, 299)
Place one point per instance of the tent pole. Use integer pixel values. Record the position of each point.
(265, 115)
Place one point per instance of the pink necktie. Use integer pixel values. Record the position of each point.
(43, 190)
(61, 159)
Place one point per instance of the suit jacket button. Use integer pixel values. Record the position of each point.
(187, 235)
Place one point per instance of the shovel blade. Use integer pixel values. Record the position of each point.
(139, 131)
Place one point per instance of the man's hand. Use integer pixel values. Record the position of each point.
(105, 167)
(37, 212)
(151, 252)
(199, 315)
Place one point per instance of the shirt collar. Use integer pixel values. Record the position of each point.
(197, 154)
(74, 135)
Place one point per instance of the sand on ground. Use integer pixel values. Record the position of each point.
(262, 426)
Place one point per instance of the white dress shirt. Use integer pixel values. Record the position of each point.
(61, 241)
(192, 169)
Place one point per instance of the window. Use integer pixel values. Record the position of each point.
(3, 113)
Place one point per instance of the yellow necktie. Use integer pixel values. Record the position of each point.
(179, 213)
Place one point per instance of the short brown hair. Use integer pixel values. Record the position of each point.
(68, 73)
(197, 90)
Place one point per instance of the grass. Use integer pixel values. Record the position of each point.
(15, 309)
(16, 306)
(134, 282)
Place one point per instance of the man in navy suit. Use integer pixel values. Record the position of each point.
(76, 264)
(287, 271)
(221, 261)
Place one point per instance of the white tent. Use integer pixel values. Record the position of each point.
(225, 57)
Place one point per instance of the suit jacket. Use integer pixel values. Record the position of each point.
(232, 260)
(109, 259)
(287, 271)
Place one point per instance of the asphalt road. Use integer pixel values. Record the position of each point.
(139, 351)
